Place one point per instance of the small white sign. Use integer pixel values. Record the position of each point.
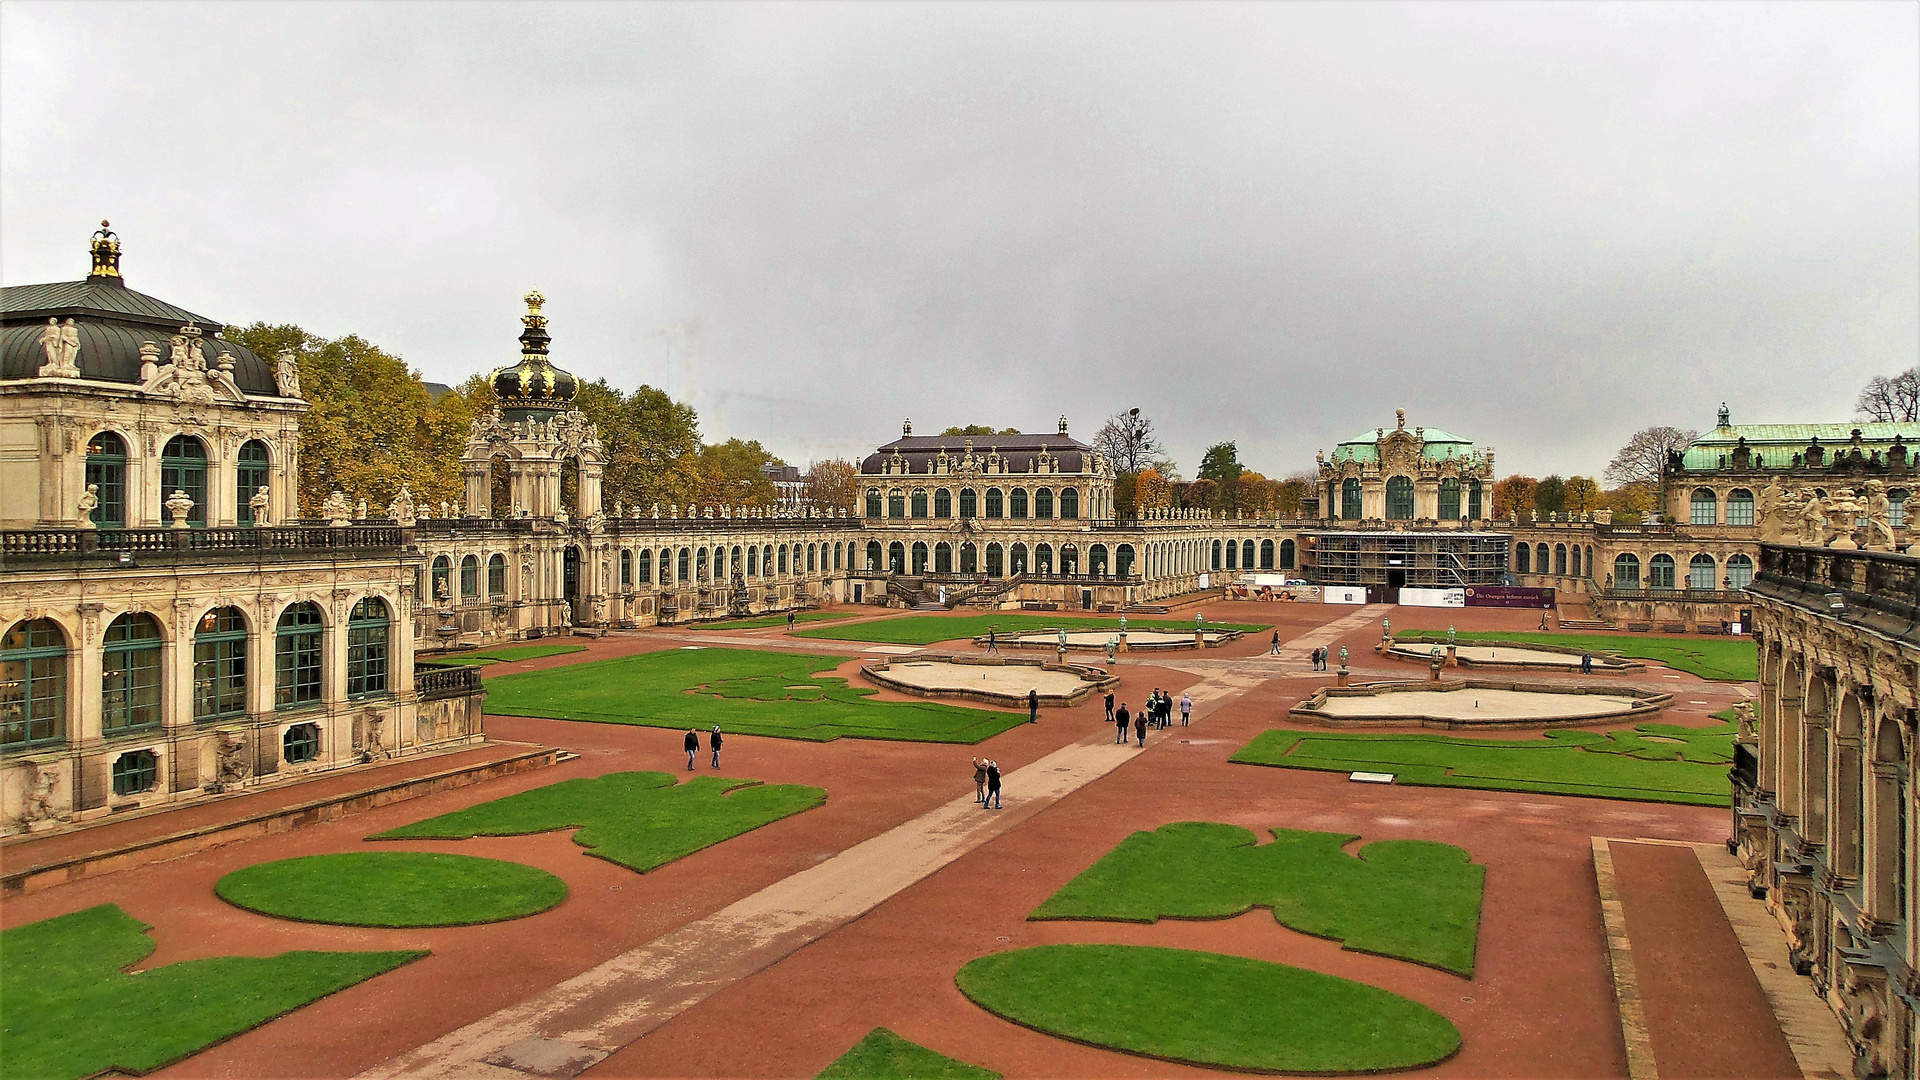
(1371, 777)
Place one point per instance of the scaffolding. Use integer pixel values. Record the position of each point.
(1397, 559)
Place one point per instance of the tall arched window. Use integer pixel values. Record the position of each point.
(1017, 559)
(1705, 507)
(1043, 558)
(813, 560)
(1739, 507)
(1540, 559)
(1219, 557)
(943, 503)
(996, 559)
(666, 566)
(367, 648)
(220, 665)
(897, 505)
(896, 558)
(470, 578)
(1233, 555)
(1449, 499)
(920, 502)
(1123, 560)
(996, 503)
(497, 573)
(1266, 554)
(1700, 572)
(969, 559)
(1069, 559)
(1473, 500)
(968, 503)
(442, 575)
(1626, 571)
(107, 472)
(1576, 560)
(130, 674)
(1246, 555)
(943, 558)
(1017, 503)
(1070, 503)
(1739, 571)
(33, 683)
(1286, 554)
(1560, 559)
(253, 470)
(873, 502)
(1399, 498)
(1350, 499)
(1043, 503)
(1097, 560)
(919, 558)
(1660, 572)
(1888, 875)
(1896, 508)
(782, 550)
(873, 555)
(296, 656)
(683, 566)
(183, 467)
(1523, 558)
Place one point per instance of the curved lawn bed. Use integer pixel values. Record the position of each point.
(392, 888)
(1207, 1009)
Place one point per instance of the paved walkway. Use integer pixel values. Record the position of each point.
(569, 1027)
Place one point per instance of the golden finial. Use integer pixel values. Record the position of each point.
(533, 318)
(106, 253)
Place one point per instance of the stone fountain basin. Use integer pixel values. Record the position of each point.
(1455, 704)
(991, 680)
(1511, 656)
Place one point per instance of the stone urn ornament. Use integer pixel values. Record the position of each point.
(179, 505)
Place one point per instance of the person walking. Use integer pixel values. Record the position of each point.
(1121, 720)
(1140, 729)
(980, 781)
(1586, 663)
(1109, 706)
(789, 620)
(993, 785)
(1275, 651)
(1033, 706)
(1186, 708)
(993, 644)
(713, 741)
(693, 747)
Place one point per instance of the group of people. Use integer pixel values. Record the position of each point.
(1157, 712)
(1320, 658)
(986, 783)
(693, 746)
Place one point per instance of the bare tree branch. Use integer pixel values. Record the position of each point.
(1645, 455)
(1128, 442)
(1891, 401)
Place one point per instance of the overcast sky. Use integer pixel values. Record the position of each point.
(1538, 226)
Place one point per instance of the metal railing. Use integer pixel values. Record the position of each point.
(111, 546)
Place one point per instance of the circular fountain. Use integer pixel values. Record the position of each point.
(991, 680)
(1455, 704)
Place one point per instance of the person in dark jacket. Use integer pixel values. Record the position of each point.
(980, 781)
(693, 747)
(1033, 706)
(1109, 708)
(1140, 728)
(713, 740)
(1121, 720)
(993, 784)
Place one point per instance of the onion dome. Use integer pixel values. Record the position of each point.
(533, 389)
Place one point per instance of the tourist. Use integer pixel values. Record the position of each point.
(1275, 651)
(693, 747)
(1033, 706)
(1586, 663)
(993, 644)
(789, 620)
(713, 740)
(1109, 706)
(1543, 618)
(980, 781)
(1186, 708)
(1140, 728)
(993, 784)
(1122, 720)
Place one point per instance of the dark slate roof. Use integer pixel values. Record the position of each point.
(1018, 450)
(112, 321)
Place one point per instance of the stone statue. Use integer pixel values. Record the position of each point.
(232, 763)
(619, 509)
(89, 502)
(1449, 636)
(62, 346)
(456, 508)
(1743, 713)
(336, 510)
(1813, 520)
(1843, 512)
(258, 505)
(287, 374)
(360, 510)
(1769, 513)
(36, 803)
(443, 509)
(561, 517)
(179, 505)
(1879, 510)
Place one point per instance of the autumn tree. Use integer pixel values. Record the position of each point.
(1198, 495)
(1513, 494)
(1582, 495)
(1152, 491)
(980, 429)
(1631, 502)
(1128, 442)
(1291, 494)
(1644, 459)
(1893, 400)
(832, 486)
(1550, 495)
(729, 474)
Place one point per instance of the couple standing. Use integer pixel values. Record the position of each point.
(986, 782)
(692, 746)
(1320, 659)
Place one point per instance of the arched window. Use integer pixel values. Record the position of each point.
(1233, 555)
(296, 656)
(813, 558)
(1350, 499)
(183, 467)
(1576, 560)
(995, 503)
(570, 488)
(220, 665)
(666, 566)
(943, 503)
(1888, 874)
(1042, 559)
(644, 571)
(1560, 559)
(896, 505)
(873, 502)
(1896, 508)
(253, 470)
(896, 558)
(1626, 571)
(470, 578)
(442, 574)
(920, 502)
(1246, 555)
(782, 549)
(1739, 507)
(996, 558)
(969, 559)
(497, 572)
(766, 560)
(499, 486)
(1705, 507)
(130, 675)
(1660, 572)
(1070, 503)
(367, 648)
(1399, 498)
(837, 564)
(1017, 559)
(626, 569)
(1523, 558)
(1069, 559)
(300, 744)
(683, 566)
(1218, 557)
(107, 472)
(1700, 572)
(1043, 503)
(968, 503)
(33, 683)
(1266, 554)
(1473, 500)
(1540, 559)
(1449, 499)
(873, 555)
(1739, 571)
(135, 771)
(1286, 554)
(943, 558)
(1017, 504)
(919, 558)
(1123, 560)
(1097, 560)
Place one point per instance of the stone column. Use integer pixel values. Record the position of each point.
(479, 481)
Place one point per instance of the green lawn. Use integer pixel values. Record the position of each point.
(927, 629)
(1653, 762)
(882, 1055)
(637, 819)
(1412, 899)
(71, 1010)
(772, 620)
(745, 691)
(503, 655)
(1721, 659)
(392, 888)
(1208, 1009)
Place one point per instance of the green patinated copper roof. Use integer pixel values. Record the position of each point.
(1440, 446)
(1775, 444)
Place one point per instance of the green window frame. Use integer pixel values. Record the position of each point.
(1740, 571)
(1473, 501)
(470, 578)
(107, 471)
(896, 505)
(130, 675)
(253, 469)
(1399, 498)
(300, 744)
(644, 572)
(943, 558)
(1286, 554)
(497, 575)
(943, 503)
(1017, 503)
(1266, 554)
(368, 654)
(1449, 500)
(220, 665)
(33, 684)
(1740, 507)
(920, 503)
(183, 467)
(626, 568)
(1070, 503)
(1043, 503)
(995, 557)
(1660, 572)
(969, 559)
(1123, 560)
(996, 504)
(969, 503)
(1626, 571)
(897, 557)
(873, 555)
(1350, 499)
(873, 502)
(135, 771)
(442, 577)
(684, 565)
(297, 656)
(1702, 572)
(1703, 508)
